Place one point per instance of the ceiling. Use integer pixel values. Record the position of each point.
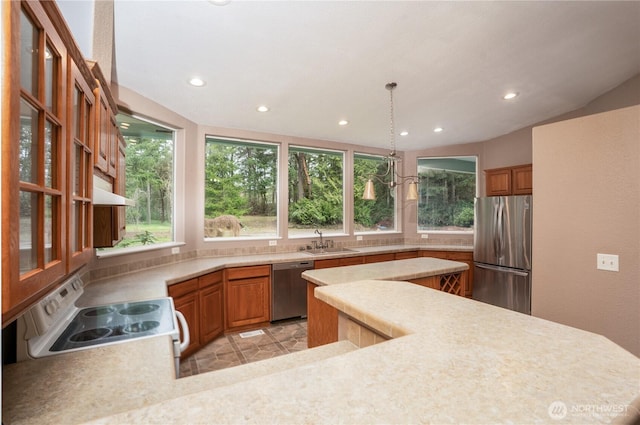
(317, 62)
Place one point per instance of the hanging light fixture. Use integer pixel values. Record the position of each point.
(391, 177)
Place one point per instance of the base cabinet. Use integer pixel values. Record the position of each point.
(185, 299)
(200, 300)
(322, 320)
(247, 297)
(461, 256)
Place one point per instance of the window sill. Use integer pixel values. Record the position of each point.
(115, 252)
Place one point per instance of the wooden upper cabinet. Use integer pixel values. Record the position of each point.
(522, 180)
(47, 143)
(106, 128)
(517, 180)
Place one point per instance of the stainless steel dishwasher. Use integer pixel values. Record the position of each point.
(289, 290)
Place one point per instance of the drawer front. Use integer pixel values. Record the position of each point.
(183, 288)
(210, 279)
(246, 272)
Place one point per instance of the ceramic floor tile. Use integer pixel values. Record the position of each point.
(233, 350)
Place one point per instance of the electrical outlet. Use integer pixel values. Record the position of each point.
(358, 238)
(608, 262)
(273, 243)
(175, 250)
(424, 236)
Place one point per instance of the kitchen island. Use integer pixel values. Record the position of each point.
(450, 360)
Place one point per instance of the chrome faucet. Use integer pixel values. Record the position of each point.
(318, 232)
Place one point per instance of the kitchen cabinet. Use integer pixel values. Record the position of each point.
(48, 101)
(404, 255)
(109, 164)
(338, 262)
(322, 320)
(247, 293)
(452, 283)
(211, 302)
(517, 180)
(461, 256)
(185, 300)
(106, 127)
(200, 300)
(378, 258)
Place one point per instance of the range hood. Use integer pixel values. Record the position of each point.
(102, 195)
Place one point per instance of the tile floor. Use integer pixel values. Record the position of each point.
(233, 350)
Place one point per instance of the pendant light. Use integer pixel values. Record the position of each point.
(391, 178)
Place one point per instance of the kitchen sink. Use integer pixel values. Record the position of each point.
(325, 251)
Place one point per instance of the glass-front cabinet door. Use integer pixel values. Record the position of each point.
(46, 155)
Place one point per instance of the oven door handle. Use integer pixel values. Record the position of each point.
(185, 331)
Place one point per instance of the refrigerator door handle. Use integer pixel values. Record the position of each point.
(500, 231)
(496, 246)
(502, 269)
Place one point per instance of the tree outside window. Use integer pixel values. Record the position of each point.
(316, 199)
(377, 215)
(149, 182)
(241, 180)
(446, 193)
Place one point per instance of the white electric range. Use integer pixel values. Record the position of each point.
(55, 325)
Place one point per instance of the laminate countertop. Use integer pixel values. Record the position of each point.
(452, 360)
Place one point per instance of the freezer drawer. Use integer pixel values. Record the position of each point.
(502, 287)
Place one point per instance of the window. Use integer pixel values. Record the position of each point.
(378, 215)
(241, 180)
(316, 199)
(149, 182)
(446, 193)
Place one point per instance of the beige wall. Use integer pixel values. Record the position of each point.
(587, 201)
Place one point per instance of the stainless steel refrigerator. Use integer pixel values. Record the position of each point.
(502, 252)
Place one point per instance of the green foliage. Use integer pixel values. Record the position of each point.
(240, 178)
(372, 214)
(149, 179)
(445, 200)
(315, 187)
(464, 218)
(144, 238)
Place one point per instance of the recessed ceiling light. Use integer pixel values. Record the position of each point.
(262, 108)
(510, 95)
(343, 122)
(197, 82)
(219, 2)
(404, 133)
(438, 130)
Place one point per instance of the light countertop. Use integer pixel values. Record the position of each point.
(463, 362)
(394, 270)
(453, 360)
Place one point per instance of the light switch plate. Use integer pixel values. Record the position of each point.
(273, 243)
(608, 262)
(175, 250)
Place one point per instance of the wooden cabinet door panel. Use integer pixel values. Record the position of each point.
(522, 179)
(188, 305)
(322, 320)
(211, 313)
(498, 182)
(247, 301)
(378, 258)
(406, 255)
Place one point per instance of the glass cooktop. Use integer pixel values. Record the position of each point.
(116, 322)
